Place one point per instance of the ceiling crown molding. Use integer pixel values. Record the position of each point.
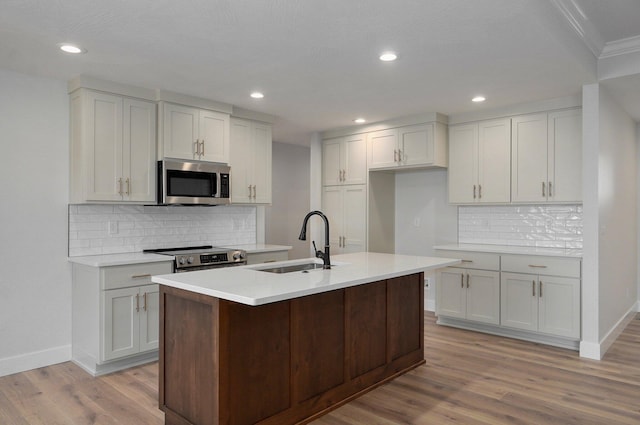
(621, 47)
(581, 24)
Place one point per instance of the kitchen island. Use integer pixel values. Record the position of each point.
(246, 346)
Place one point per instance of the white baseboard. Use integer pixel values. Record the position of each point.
(593, 350)
(34, 360)
(430, 305)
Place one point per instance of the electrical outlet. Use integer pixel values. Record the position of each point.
(427, 282)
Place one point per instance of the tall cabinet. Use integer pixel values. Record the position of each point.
(113, 148)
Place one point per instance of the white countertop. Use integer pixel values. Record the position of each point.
(119, 259)
(508, 249)
(254, 248)
(247, 285)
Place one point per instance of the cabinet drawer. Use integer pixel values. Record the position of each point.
(267, 257)
(132, 274)
(473, 260)
(551, 266)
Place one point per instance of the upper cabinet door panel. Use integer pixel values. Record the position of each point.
(383, 151)
(565, 156)
(213, 136)
(529, 158)
(331, 162)
(494, 161)
(416, 145)
(262, 163)
(139, 150)
(354, 158)
(462, 163)
(180, 131)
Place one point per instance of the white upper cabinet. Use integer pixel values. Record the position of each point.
(113, 148)
(423, 145)
(546, 158)
(479, 162)
(192, 133)
(251, 167)
(344, 160)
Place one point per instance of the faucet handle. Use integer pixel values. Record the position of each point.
(319, 254)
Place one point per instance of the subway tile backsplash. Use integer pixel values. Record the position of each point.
(545, 226)
(112, 229)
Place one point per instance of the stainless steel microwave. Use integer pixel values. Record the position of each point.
(193, 183)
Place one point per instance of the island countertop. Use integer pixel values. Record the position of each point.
(248, 285)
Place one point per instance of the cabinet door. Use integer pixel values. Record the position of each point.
(383, 149)
(262, 164)
(241, 155)
(354, 159)
(149, 317)
(463, 153)
(529, 158)
(121, 321)
(104, 143)
(333, 208)
(355, 218)
(565, 156)
(559, 306)
(483, 296)
(494, 161)
(416, 144)
(331, 162)
(213, 133)
(180, 131)
(139, 150)
(519, 301)
(451, 297)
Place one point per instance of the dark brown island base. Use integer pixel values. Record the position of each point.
(285, 362)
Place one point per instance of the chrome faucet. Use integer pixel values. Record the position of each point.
(326, 261)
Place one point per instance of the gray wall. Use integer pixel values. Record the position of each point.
(291, 184)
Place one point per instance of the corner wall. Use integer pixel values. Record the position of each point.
(35, 300)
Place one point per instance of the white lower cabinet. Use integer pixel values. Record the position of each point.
(346, 210)
(469, 294)
(115, 315)
(534, 298)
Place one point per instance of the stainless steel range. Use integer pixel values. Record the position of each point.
(204, 257)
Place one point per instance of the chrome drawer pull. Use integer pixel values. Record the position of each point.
(467, 261)
(537, 267)
(138, 276)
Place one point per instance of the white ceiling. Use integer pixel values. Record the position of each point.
(316, 60)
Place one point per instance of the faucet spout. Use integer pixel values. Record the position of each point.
(326, 261)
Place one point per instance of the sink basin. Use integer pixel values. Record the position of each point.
(292, 268)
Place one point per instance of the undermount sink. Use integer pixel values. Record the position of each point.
(293, 268)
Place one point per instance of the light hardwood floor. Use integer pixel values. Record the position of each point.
(469, 378)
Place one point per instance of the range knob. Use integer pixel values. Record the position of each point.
(238, 255)
(182, 260)
(190, 260)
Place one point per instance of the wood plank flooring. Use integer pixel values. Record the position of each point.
(469, 378)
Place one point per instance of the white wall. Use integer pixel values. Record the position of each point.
(35, 283)
(423, 217)
(610, 199)
(291, 186)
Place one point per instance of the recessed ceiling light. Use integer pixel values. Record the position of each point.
(257, 95)
(71, 48)
(388, 56)
(478, 99)
(359, 121)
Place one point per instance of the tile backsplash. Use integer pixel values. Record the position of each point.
(549, 226)
(111, 229)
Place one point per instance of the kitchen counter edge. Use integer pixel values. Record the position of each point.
(515, 250)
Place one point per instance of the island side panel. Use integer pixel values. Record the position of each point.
(405, 315)
(188, 357)
(255, 361)
(366, 328)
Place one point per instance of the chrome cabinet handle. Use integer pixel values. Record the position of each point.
(197, 150)
(128, 186)
(533, 287)
(399, 155)
(537, 266)
(543, 191)
(467, 280)
(474, 191)
(249, 191)
(202, 147)
(144, 298)
(479, 191)
(137, 302)
(550, 189)
(467, 261)
(395, 155)
(254, 192)
(120, 186)
(462, 280)
(138, 276)
(540, 291)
